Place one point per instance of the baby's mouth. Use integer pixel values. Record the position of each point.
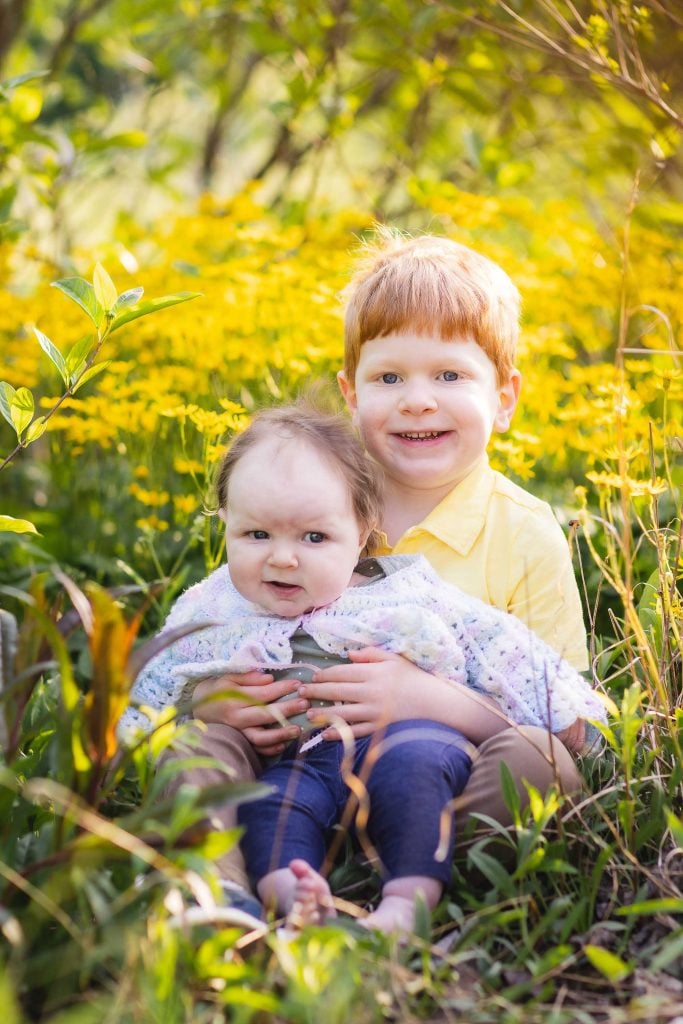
(286, 588)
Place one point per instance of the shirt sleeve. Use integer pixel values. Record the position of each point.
(544, 593)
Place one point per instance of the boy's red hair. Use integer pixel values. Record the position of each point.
(431, 285)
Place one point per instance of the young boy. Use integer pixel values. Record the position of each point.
(430, 339)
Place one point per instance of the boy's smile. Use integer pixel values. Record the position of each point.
(426, 407)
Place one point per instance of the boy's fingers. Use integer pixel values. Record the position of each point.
(337, 674)
(266, 693)
(350, 713)
(331, 691)
(263, 714)
(358, 731)
(255, 678)
(271, 741)
(369, 654)
(273, 691)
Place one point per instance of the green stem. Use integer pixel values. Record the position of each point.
(67, 394)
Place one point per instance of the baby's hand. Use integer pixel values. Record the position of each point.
(245, 707)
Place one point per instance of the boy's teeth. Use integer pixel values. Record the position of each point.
(419, 435)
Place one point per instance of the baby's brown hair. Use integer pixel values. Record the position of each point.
(332, 436)
(431, 285)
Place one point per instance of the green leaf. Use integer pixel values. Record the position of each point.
(7, 393)
(491, 868)
(8, 524)
(82, 293)
(36, 430)
(105, 289)
(21, 410)
(28, 76)
(510, 794)
(670, 951)
(93, 371)
(151, 307)
(53, 354)
(608, 964)
(665, 905)
(676, 826)
(129, 298)
(77, 355)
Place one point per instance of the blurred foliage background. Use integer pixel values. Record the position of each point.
(147, 104)
(243, 151)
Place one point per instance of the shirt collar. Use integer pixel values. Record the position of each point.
(459, 518)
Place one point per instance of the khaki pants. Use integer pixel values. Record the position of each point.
(531, 754)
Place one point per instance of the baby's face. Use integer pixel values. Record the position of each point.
(292, 536)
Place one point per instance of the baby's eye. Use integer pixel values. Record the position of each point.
(314, 537)
(450, 375)
(390, 378)
(258, 534)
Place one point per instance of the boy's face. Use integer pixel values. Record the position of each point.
(426, 408)
(292, 536)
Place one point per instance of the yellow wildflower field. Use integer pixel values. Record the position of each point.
(602, 376)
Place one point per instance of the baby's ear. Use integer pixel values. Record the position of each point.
(223, 514)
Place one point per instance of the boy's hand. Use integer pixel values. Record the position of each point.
(379, 688)
(246, 708)
(574, 736)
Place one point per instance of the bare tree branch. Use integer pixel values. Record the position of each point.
(12, 17)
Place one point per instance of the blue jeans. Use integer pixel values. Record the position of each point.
(416, 768)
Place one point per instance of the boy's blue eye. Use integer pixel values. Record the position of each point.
(259, 534)
(389, 378)
(450, 375)
(314, 537)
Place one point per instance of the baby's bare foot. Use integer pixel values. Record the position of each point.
(394, 915)
(312, 902)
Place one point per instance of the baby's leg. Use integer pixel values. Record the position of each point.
(420, 767)
(299, 892)
(286, 831)
(396, 911)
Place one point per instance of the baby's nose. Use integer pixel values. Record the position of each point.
(283, 554)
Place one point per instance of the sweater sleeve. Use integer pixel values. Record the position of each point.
(158, 686)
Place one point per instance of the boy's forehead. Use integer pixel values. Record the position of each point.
(420, 346)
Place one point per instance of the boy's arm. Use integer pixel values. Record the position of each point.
(545, 595)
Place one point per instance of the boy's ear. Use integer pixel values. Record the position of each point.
(348, 391)
(508, 396)
(223, 514)
(363, 539)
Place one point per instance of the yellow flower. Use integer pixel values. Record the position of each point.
(185, 504)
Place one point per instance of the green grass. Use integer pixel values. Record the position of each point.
(575, 915)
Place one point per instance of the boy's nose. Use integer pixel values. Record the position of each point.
(417, 398)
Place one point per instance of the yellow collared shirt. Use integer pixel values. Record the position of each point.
(499, 543)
